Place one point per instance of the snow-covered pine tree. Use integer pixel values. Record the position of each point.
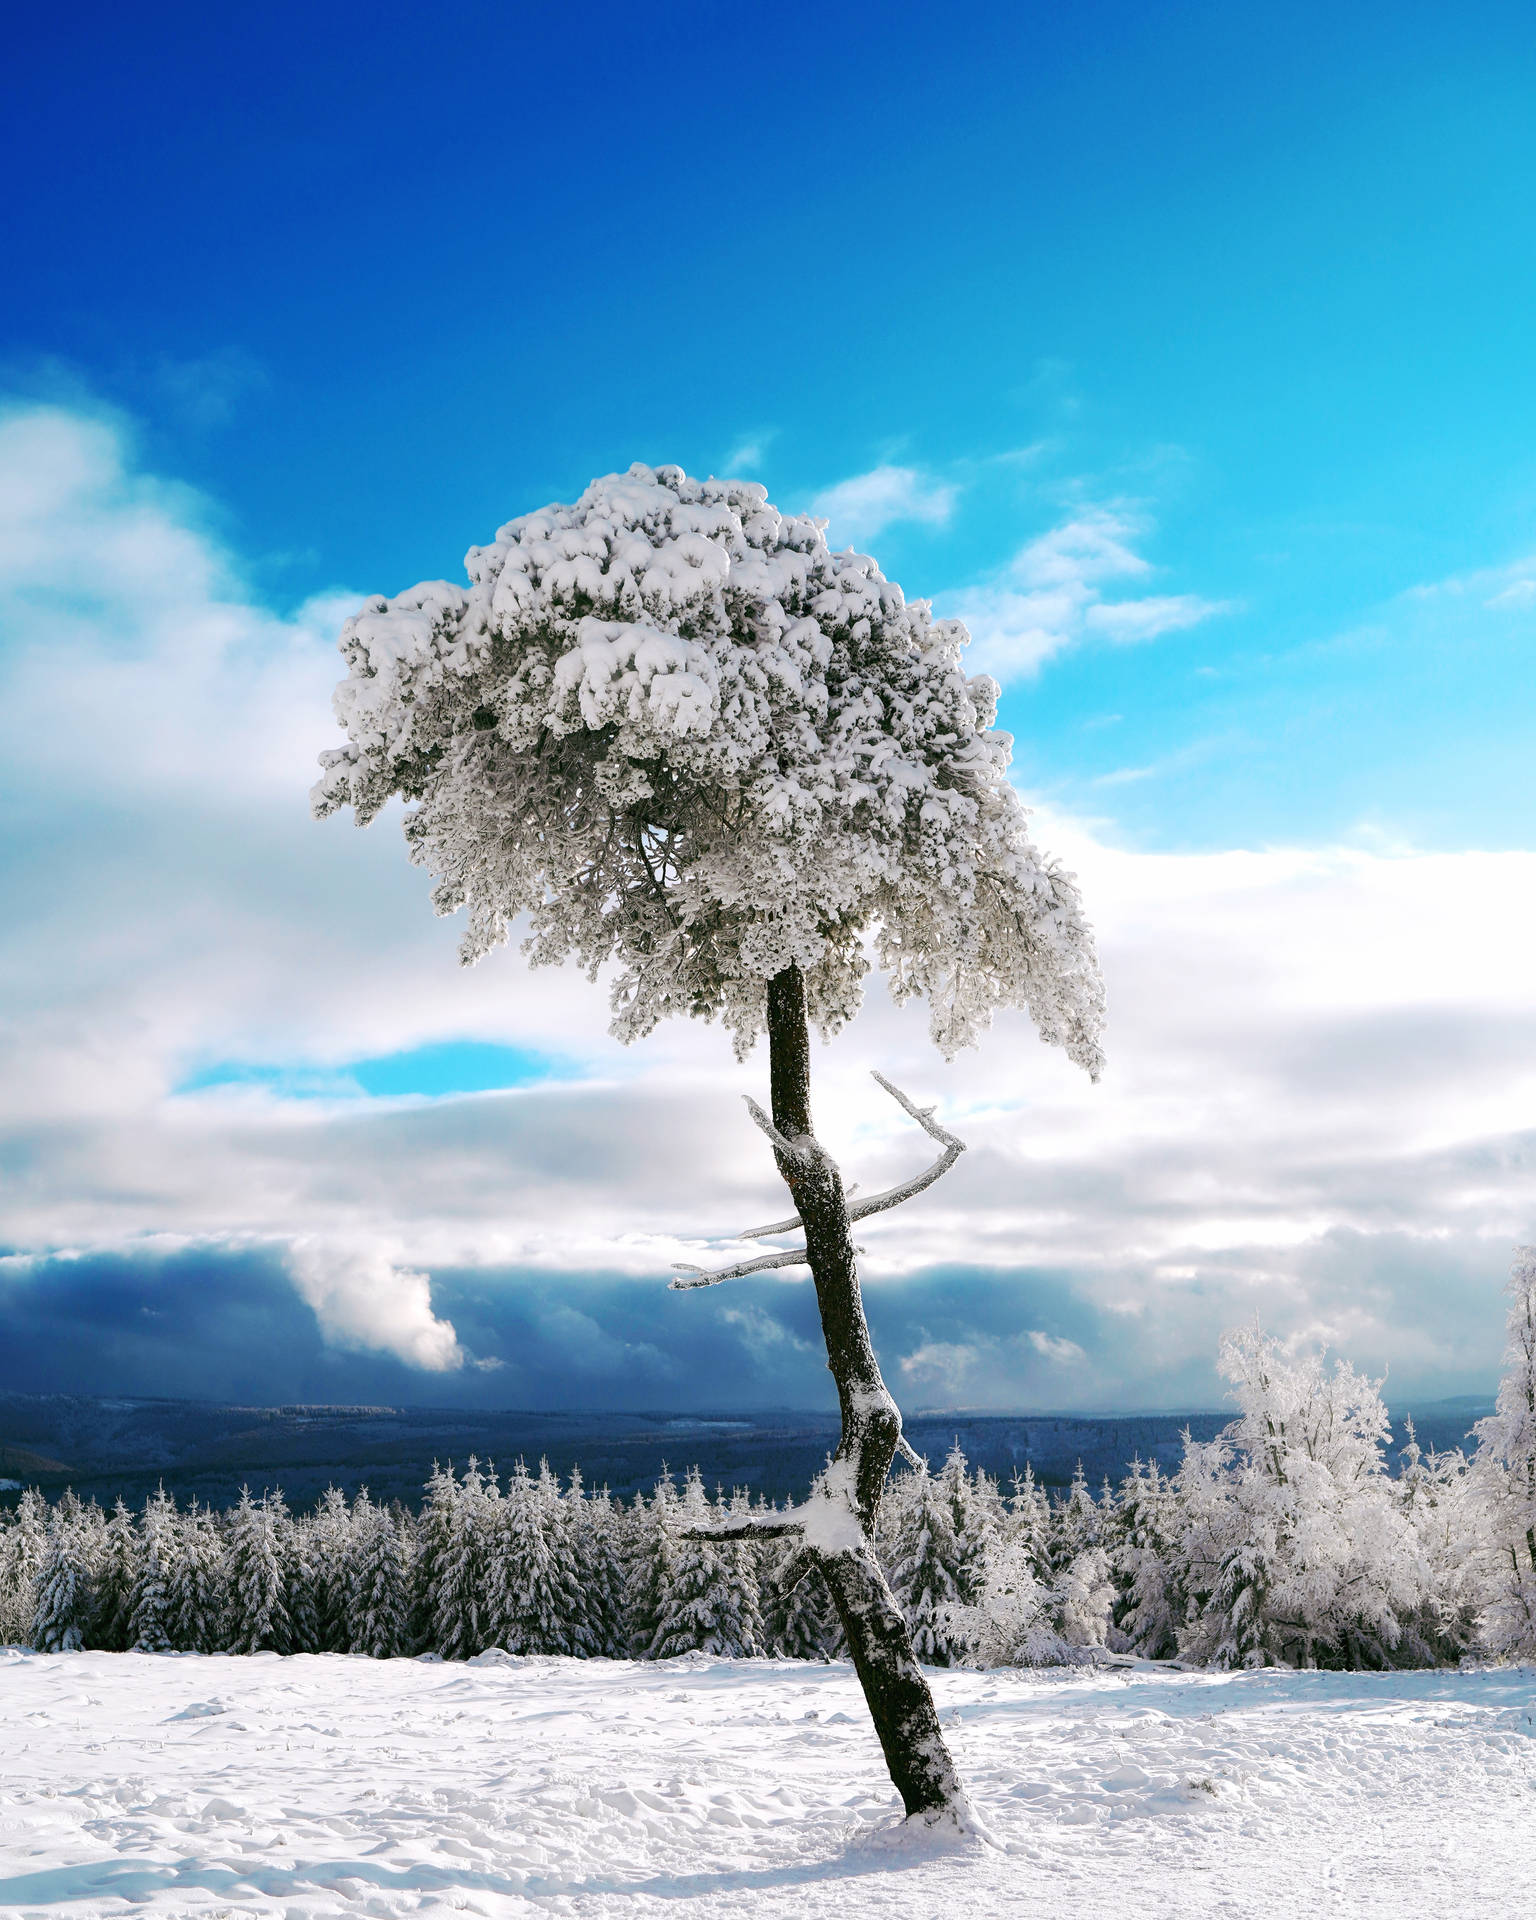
(925, 1564)
(116, 1573)
(437, 1549)
(1506, 1474)
(526, 1595)
(1029, 1520)
(378, 1601)
(601, 1569)
(256, 1619)
(973, 1515)
(65, 1604)
(708, 1609)
(686, 739)
(301, 1593)
(461, 1620)
(197, 1584)
(799, 1619)
(1076, 1523)
(574, 1632)
(331, 1554)
(22, 1544)
(653, 1563)
(1149, 1604)
(151, 1608)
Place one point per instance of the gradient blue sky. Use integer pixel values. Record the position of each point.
(1185, 351)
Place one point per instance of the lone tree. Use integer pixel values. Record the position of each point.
(689, 742)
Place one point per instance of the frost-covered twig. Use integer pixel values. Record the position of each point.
(701, 1276)
(891, 1196)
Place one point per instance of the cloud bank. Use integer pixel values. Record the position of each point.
(1321, 1103)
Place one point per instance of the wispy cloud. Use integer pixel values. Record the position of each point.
(861, 507)
(748, 453)
(1054, 594)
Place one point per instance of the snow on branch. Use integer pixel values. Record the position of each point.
(891, 1196)
(744, 1526)
(691, 1276)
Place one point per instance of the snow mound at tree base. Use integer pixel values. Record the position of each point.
(318, 1785)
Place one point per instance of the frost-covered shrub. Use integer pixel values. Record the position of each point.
(683, 736)
(1294, 1549)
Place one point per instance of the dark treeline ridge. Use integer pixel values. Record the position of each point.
(123, 1448)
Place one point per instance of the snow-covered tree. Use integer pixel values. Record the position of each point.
(688, 741)
(378, 1581)
(710, 1606)
(256, 1620)
(197, 1584)
(1149, 1604)
(331, 1551)
(653, 1562)
(601, 1572)
(1029, 1519)
(115, 1574)
(65, 1604)
(23, 1542)
(1295, 1550)
(926, 1564)
(1437, 1495)
(1506, 1472)
(151, 1606)
(799, 1619)
(529, 1595)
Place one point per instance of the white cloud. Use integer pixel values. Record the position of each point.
(1051, 596)
(363, 1298)
(1322, 1061)
(859, 508)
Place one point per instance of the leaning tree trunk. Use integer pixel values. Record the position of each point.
(900, 1703)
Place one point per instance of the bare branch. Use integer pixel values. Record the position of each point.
(701, 1277)
(892, 1196)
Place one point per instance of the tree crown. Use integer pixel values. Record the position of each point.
(681, 735)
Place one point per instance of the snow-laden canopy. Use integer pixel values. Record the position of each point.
(677, 732)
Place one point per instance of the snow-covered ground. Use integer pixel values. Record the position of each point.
(183, 1785)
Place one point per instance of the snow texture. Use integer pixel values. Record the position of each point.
(682, 736)
(326, 1784)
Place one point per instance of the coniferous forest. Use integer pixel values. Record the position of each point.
(1290, 1539)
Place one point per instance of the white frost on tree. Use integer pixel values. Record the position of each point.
(681, 735)
(1506, 1472)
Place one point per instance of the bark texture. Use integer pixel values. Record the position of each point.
(900, 1703)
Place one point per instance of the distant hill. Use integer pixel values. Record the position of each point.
(110, 1447)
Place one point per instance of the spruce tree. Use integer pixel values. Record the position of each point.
(437, 1548)
(257, 1620)
(600, 1563)
(22, 1545)
(379, 1586)
(65, 1605)
(331, 1543)
(116, 1575)
(151, 1608)
(197, 1584)
(925, 1564)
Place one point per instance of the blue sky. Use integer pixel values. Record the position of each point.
(1184, 351)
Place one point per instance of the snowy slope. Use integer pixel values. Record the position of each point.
(174, 1784)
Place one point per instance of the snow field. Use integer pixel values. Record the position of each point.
(328, 1784)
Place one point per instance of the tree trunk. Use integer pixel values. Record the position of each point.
(900, 1703)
